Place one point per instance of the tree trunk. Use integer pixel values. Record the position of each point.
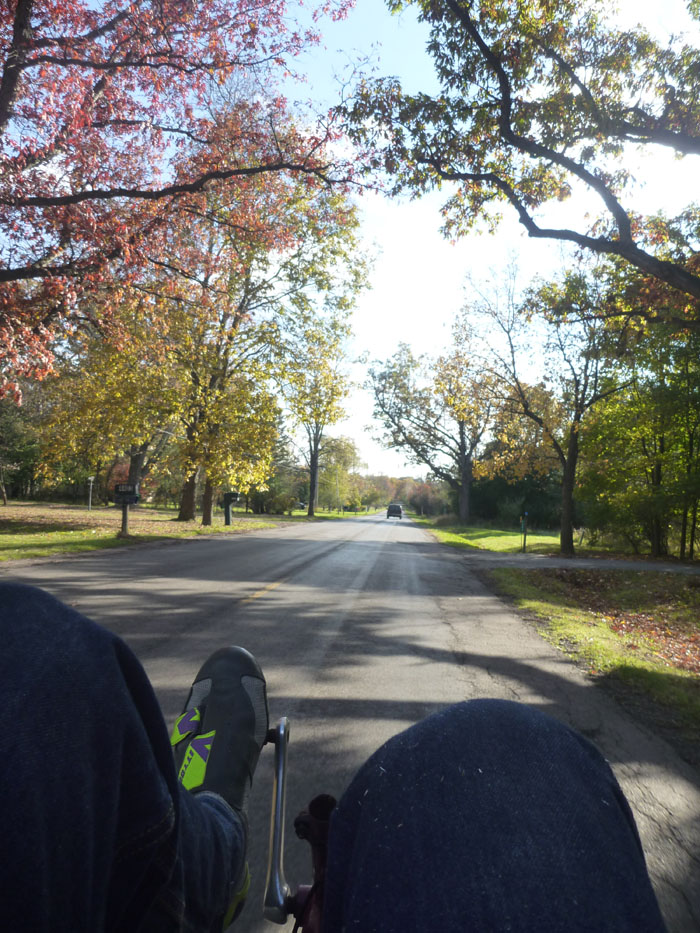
(566, 528)
(568, 485)
(684, 532)
(693, 530)
(208, 503)
(658, 532)
(314, 445)
(463, 505)
(188, 499)
(3, 491)
(108, 480)
(466, 474)
(137, 456)
(656, 537)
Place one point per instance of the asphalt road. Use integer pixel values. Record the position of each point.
(363, 627)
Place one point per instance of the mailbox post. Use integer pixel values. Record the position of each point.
(126, 494)
(229, 498)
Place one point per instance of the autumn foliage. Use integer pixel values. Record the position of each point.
(113, 113)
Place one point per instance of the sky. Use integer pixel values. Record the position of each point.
(418, 279)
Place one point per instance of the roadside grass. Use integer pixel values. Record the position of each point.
(510, 541)
(635, 632)
(491, 539)
(38, 529)
(42, 530)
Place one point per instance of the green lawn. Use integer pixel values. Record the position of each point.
(492, 539)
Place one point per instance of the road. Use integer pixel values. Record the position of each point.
(363, 627)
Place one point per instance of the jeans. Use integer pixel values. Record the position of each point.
(97, 833)
(486, 817)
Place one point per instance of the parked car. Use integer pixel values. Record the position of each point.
(394, 510)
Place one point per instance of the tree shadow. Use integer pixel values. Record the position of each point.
(176, 604)
(10, 527)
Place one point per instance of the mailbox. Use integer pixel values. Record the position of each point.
(229, 499)
(126, 493)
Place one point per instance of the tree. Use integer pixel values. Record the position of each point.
(239, 279)
(537, 100)
(338, 482)
(286, 484)
(233, 444)
(18, 450)
(314, 387)
(439, 413)
(199, 325)
(378, 490)
(111, 114)
(240, 265)
(429, 497)
(641, 471)
(577, 359)
(108, 400)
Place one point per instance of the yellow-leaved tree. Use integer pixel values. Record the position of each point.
(314, 385)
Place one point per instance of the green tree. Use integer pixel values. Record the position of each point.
(233, 441)
(338, 481)
(19, 450)
(286, 484)
(538, 100)
(641, 472)
(577, 358)
(378, 490)
(438, 412)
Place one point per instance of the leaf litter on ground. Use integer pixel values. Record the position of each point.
(650, 610)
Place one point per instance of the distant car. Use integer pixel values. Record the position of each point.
(394, 511)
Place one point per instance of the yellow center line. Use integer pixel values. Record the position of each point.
(265, 589)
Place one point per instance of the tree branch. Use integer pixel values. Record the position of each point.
(668, 272)
(529, 146)
(155, 194)
(14, 62)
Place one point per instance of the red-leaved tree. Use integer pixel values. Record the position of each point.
(108, 117)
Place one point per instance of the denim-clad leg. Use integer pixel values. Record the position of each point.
(486, 817)
(97, 833)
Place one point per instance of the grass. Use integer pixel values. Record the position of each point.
(492, 539)
(44, 530)
(636, 633)
(32, 529)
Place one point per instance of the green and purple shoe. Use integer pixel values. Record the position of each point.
(218, 737)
